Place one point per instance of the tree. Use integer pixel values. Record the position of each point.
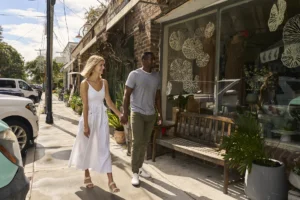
(1, 35)
(94, 13)
(36, 70)
(11, 62)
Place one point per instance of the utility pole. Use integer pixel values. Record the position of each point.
(50, 13)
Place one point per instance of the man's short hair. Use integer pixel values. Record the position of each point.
(146, 54)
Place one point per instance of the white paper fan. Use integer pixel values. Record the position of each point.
(202, 59)
(180, 69)
(209, 30)
(277, 15)
(291, 31)
(191, 86)
(199, 32)
(177, 39)
(291, 57)
(192, 47)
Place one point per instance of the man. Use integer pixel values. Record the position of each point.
(143, 90)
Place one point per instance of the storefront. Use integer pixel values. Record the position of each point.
(236, 55)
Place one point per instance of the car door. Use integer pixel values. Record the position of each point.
(25, 88)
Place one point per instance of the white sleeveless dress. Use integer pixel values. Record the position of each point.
(93, 153)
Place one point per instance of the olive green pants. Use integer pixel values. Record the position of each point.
(141, 126)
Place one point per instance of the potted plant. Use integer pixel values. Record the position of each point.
(254, 76)
(78, 106)
(245, 151)
(114, 121)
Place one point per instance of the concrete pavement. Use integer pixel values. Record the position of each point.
(182, 178)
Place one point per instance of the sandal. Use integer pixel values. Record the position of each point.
(88, 182)
(113, 189)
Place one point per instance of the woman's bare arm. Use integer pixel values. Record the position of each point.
(84, 96)
(108, 100)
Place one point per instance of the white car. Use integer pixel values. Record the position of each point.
(20, 114)
(21, 86)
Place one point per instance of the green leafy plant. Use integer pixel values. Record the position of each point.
(119, 95)
(114, 121)
(66, 97)
(179, 101)
(254, 76)
(246, 145)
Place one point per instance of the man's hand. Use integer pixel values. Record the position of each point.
(124, 119)
(86, 132)
(159, 120)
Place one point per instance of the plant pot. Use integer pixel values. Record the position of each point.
(294, 180)
(119, 137)
(251, 98)
(266, 182)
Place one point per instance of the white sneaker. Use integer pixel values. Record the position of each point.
(144, 173)
(135, 179)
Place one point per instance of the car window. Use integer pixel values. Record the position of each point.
(7, 84)
(23, 85)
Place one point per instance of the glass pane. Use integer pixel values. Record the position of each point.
(7, 84)
(191, 64)
(260, 45)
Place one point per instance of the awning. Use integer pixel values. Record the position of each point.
(88, 45)
(188, 8)
(122, 13)
(66, 66)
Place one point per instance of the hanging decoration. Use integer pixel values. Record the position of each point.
(291, 57)
(191, 86)
(191, 48)
(277, 15)
(199, 33)
(291, 31)
(202, 59)
(209, 30)
(180, 68)
(177, 39)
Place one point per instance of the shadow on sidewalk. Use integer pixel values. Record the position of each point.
(73, 121)
(64, 130)
(96, 193)
(176, 193)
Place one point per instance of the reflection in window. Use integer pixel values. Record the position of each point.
(261, 48)
(191, 62)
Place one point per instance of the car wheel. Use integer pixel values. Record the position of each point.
(22, 132)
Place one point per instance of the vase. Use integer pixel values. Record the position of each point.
(119, 137)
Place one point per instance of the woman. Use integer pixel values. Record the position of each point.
(91, 148)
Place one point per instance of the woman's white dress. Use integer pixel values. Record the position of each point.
(93, 152)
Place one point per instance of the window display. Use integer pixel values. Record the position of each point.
(260, 45)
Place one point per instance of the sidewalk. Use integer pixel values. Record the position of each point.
(51, 179)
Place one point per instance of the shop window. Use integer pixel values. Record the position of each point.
(191, 63)
(260, 47)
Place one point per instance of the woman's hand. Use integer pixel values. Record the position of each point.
(86, 132)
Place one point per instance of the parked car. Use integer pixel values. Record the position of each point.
(11, 92)
(20, 114)
(39, 89)
(19, 85)
(13, 182)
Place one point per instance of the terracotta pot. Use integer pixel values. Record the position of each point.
(119, 137)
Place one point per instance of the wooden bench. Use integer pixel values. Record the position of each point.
(199, 136)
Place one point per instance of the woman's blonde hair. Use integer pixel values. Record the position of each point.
(90, 65)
